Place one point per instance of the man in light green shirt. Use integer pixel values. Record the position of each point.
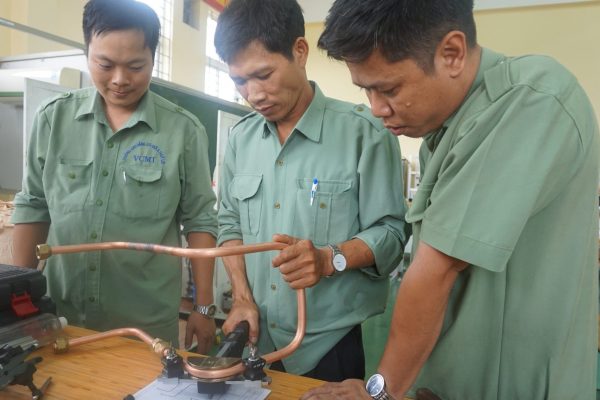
(118, 163)
(501, 298)
(314, 172)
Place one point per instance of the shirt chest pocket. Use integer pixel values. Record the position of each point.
(137, 192)
(70, 188)
(333, 215)
(246, 189)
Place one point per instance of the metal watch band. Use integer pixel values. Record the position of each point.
(205, 310)
(376, 388)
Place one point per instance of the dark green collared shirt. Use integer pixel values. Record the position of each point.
(266, 189)
(139, 184)
(510, 186)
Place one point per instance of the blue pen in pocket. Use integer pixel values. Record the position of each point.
(313, 190)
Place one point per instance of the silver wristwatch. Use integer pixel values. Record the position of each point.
(337, 259)
(208, 310)
(376, 388)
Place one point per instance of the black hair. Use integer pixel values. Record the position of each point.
(100, 16)
(399, 29)
(276, 24)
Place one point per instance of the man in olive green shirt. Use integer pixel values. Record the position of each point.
(119, 163)
(314, 172)
(501, 298)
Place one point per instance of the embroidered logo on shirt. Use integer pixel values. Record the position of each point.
(145, 153)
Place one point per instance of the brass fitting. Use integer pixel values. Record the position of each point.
(61, 345)
(43, 251)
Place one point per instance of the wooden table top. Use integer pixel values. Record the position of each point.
(113, 368)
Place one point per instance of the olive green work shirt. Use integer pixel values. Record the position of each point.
(140, 184)
(266, 189)
(509, 186)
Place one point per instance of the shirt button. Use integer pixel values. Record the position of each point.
(92, 267)
(92, 299)
(94, 235)
(280, 163)
(99, 202)
(110, 145)
(360, 109)
(104, 172)
(72, 175)
(273, 287)
(322, 205)
(277, 205)
(273, 325)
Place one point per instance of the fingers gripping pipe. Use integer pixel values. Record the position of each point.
(43, 251)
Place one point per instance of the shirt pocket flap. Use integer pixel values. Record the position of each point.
(325, 186)
(73, 162)
(245, 186)
(142, 174)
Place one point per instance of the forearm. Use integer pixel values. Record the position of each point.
(236, 269)
(202, 268)
(357, 253)
(418, 316)
(25, 238)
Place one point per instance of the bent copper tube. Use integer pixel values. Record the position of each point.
(44, 251)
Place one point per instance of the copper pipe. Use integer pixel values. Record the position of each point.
(269, 358)
(158, 346)
(43, 251)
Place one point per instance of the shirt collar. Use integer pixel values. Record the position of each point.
(311, 121)
(488, 59)
(145, 111)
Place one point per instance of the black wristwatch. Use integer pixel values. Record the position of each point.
(376, 388)
(208, 310)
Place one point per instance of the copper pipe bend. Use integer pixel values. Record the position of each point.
(44, 251)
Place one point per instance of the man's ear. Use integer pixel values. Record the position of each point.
(451, 53)
(300, 50)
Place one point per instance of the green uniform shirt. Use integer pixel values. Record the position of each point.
(266, 190)
(509, 186)
(138, 184)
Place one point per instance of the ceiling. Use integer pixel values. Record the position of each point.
(315, 10)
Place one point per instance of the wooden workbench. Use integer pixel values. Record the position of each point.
(113, 368)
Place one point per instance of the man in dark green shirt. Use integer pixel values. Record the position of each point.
(501, 298)
(118, 163)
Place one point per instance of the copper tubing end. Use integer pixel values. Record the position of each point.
(61, 345)
(43, 251)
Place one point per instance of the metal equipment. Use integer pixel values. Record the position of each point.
(227, 364)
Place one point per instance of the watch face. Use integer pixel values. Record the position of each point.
(375, 385)
(339, 262)
(212, 309)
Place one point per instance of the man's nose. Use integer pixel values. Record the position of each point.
(380, 107)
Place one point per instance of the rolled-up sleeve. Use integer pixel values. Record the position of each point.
(30, 203)
(229, 221)
(382, 205)
(197, 204)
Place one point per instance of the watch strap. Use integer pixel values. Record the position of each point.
(207, 310)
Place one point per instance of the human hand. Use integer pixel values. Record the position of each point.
(204, 330)
(301, 264)
(243, 310)
(351, 389)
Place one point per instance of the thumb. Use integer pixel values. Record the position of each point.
(281, 238)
